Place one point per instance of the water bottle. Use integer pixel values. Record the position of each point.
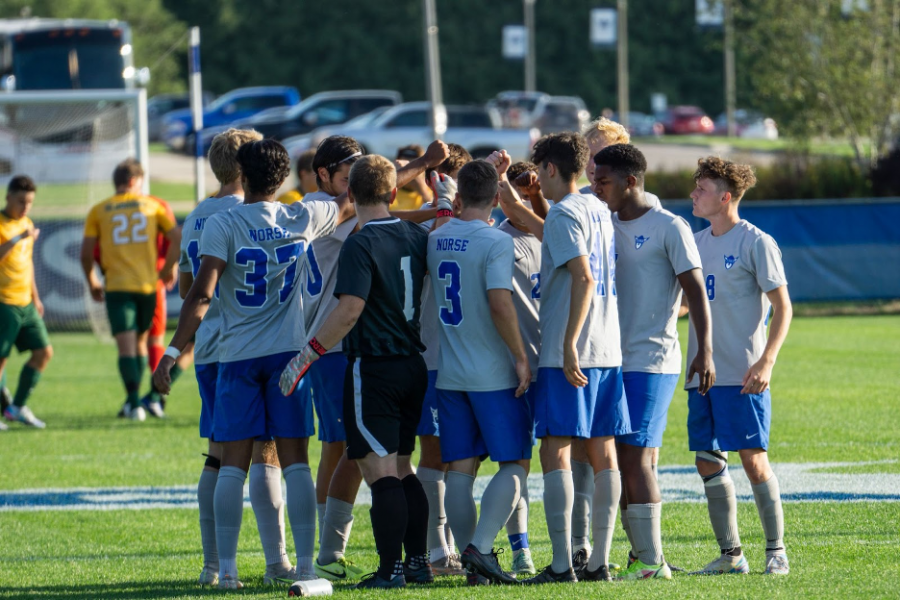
(315, 587)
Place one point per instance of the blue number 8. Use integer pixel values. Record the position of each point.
(711, 287)
(255, 279)
(448, 271)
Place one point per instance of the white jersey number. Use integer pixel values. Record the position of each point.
(120, 233)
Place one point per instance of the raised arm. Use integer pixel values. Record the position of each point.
(436, 153)
(702, 364)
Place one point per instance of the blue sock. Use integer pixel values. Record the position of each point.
(518, 541)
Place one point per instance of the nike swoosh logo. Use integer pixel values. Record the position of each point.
(338, 575)
(752, 436)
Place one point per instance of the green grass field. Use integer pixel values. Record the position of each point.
(835, 394)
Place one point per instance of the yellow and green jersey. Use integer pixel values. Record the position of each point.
(16, 268)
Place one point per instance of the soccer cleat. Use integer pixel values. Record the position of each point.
(135, 414)
(23, 414)
(280, 575)
(601, 574)
(777, 564)
(3, 426)
(485, 564)
(473, 578)
(449, 565)
(230, 583)
(420, 575)
(209, 576)
(6, 399)
(638, 570)
(673, 568)
(725, 565)
(153, 407)
(548, 575)
(372, 581)
(340, 570)
(580, 562)
(522, 563)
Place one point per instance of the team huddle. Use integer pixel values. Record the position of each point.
(558, 325)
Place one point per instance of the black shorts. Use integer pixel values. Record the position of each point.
(382, 404)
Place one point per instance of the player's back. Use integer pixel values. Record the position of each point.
(579, 225)
(527, 289)
(465, 260)
(126, 227)
(206, 343)
(264, 246)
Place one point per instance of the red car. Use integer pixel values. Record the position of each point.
(687, 120)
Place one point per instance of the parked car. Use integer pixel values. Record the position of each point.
(560, 113)
(161, 104)
(475, 128)
(750, 124)
(322, 109)
(235, 105)
(297, 144)
(641, 124)
(686, 120)
(516, 108)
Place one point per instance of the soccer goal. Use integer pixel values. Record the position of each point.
(69, 142)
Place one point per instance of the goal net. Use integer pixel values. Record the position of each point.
(69, 143)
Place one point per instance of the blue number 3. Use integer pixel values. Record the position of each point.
(448, 271)
(255, 278)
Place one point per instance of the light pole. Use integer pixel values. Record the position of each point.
(622, 60)
(438, 119)
(530, 57)
(730, 85)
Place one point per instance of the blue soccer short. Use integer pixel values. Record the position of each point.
(429, 424)
(206, 381)
(725, 419)
(477, 423)
(249, 403)
(326, 383)
(649, 396)
(598, 409)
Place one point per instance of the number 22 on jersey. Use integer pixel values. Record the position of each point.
(129, 228)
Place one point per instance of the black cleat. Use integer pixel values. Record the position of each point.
(474, 578)
(601, 574)
(372, 582)
(548, 575)
(580, 563)
(420, 574)
(485, 564)
(675, 569)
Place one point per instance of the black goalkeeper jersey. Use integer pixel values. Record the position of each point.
(384, 264)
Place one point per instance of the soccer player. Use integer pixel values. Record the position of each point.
(265, 472)
(379, 287)
(262, 242)
(483, 369)
(656, 258)
(579, 386)
(125, 226)
(416, 193)
(744, 278)
(21, 311)
(306, 179)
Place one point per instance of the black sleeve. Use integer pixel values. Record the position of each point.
(354, 276)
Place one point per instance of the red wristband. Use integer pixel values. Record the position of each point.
(317, 347)
(444, 213)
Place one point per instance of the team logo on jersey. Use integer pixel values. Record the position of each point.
(434, 421)
(730, 260)
(639, 241)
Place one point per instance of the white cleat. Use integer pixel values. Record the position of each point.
(209, 576)
(725, 565)
(279, 575)
(777, 564)
(230, 583)
(135, 414)
(23, 415)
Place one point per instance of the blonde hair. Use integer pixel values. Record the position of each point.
(372, 180)
(223, 153)
(610, 131)
(728, 176)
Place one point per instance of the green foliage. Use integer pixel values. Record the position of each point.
(793, 177)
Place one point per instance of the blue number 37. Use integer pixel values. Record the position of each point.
(256, 277)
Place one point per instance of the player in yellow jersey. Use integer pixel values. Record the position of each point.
(126, 227)
(21, 311)
(306, 179)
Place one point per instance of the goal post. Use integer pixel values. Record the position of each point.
(69, 143)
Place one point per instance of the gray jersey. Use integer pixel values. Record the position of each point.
(264, 246)
(527, 290)
(428, 319)
(321, 272)
(465, 260)
(207, 339)
(739, 268)
(579, 225)
(650, 252)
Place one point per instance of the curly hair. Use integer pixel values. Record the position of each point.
(610, 131)
(729, 177)
(224, 149)
(518, 168)
(623, 159)
(265, 164)
(568, 151)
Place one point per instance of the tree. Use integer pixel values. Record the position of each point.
(823, 70)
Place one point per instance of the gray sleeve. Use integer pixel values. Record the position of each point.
(681, 247)
(321, 218)
(500, 264)
(767, 262)
(565, 238)
(214, 241)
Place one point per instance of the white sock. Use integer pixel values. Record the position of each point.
(229, 508)
(607, 493)
(559, 495)
(497, 505)
(460, 506)
(767, 496)
(301, 501)
(645, 526)
(206, 490)
(335, 530)
(433, 483)
(320, 513)
(268, 506)
(583, 483)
